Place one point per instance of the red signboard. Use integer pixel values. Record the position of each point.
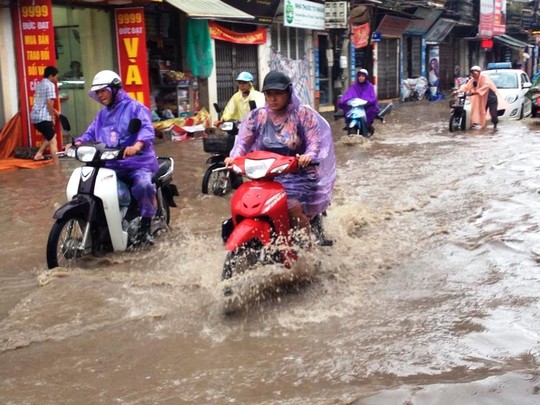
(132, 56)
(34, 36)
(360, 35)
(252, 38)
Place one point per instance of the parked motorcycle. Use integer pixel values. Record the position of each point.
(414, 89)
(355, 119)
(100, 215)
(259, 230)
(458, 116)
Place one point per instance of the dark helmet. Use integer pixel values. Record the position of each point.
(276, 81)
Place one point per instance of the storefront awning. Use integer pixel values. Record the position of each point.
(209, 9)
(438, 32)
(511, 42)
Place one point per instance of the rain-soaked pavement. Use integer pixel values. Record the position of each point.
(429, 295)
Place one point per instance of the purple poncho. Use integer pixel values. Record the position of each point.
(111, 127)
(364, 91)
(298, 129)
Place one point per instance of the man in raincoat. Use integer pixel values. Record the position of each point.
(480, 87)
(111, 126)
(238, 106)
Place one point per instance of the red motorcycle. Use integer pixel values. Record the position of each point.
(259, 230)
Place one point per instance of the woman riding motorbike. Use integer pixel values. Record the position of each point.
(362, 88)
(285, 127)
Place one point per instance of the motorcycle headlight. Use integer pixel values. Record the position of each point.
(109, 154)
(86, 153)
(256, 169)
(511, 99)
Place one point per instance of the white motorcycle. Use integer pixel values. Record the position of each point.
(100, 215)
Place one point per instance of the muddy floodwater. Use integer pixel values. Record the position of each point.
(430, 294)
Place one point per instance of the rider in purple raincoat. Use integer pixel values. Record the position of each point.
(361, 88)
(111, 127)
(289, 128)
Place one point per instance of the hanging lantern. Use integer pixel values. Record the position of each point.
(486, 44)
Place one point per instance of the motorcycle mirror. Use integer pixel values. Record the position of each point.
(475, 83)
(134, 125)
(65, 123)
(217, 108)
(252, 105)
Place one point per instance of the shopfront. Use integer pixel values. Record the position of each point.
(144, 42)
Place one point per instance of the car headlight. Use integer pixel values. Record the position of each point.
(511, 99)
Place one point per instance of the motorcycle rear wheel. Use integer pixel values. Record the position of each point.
(164, 213)
(64, 238)
(214, 182)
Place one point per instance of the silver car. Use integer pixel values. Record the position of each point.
(512, 85)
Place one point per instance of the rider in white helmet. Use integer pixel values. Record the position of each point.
(111, 126)
(238, 106)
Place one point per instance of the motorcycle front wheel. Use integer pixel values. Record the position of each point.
(216, 183)
(64, 241)
(241, 259)
(457, 122)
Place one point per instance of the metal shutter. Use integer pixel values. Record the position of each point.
(232, 59)
(388, 69)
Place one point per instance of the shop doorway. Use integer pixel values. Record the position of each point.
(231, 59)
(83, 39)
(325, 74)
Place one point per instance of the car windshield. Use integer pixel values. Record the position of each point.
(504, 80)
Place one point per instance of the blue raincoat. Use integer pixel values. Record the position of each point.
(111, 127)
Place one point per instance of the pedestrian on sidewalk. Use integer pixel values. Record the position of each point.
(43, 115)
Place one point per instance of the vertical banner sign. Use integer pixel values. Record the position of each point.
(34, 36)
(132, 57)
(487, 19)
(499, 26)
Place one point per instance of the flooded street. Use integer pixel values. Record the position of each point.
(430, 294)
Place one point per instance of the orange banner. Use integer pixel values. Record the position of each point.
(132, 55)
(256, 37)
(34, 36)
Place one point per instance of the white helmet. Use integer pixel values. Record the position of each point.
(105, 78)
